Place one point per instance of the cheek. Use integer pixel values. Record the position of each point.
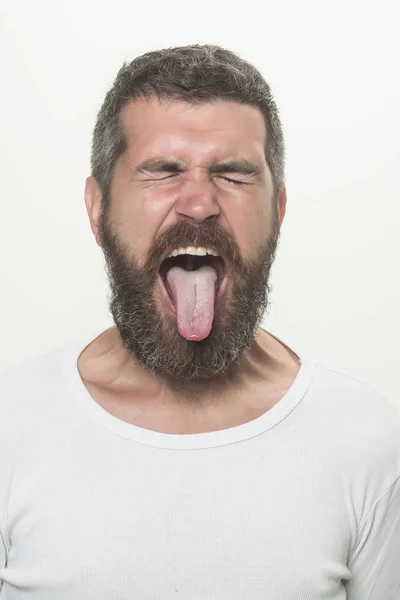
(139, 216)
(252, 230)
(262, 220)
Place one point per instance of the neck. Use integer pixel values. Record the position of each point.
(109, 365)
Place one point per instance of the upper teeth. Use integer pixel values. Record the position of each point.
(194, 251)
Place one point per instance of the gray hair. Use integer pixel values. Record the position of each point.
(196, 73)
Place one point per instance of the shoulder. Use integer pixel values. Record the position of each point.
(31, 387)
(354, 400)
(358, 423)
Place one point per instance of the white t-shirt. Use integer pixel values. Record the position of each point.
(302, 503)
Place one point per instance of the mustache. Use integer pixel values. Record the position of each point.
(208, 234)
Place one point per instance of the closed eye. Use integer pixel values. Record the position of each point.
(234, 181)
(162, 178)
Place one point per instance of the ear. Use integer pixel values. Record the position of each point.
(93, 201)
(282, 200)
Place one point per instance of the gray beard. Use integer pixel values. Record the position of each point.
(152, 338)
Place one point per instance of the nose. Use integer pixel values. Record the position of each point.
(197, 200)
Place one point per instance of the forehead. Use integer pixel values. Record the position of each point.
(211, 130)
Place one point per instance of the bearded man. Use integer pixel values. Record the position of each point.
(186, 452)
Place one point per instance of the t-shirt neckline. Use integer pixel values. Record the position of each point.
(190, 441)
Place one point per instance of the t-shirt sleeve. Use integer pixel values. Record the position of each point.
(375, 560)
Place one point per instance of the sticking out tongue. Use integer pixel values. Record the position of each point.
(194, 295)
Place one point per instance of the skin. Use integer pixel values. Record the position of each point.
(146, 202)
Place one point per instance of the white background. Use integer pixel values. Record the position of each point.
(334, 70)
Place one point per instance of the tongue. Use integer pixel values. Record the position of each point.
(194, 295)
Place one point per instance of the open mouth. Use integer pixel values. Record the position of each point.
(190, 262)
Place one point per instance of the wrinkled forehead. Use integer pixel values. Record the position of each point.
(210, 129)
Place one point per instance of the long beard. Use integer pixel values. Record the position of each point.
(151, 335)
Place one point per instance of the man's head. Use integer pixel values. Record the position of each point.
(188, 153)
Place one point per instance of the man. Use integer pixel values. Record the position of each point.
(186, 452)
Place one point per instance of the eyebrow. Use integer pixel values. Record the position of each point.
(158, 165)
(241, 165)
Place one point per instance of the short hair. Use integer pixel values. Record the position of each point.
(195, 74)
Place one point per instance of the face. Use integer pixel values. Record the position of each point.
(192, 177)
